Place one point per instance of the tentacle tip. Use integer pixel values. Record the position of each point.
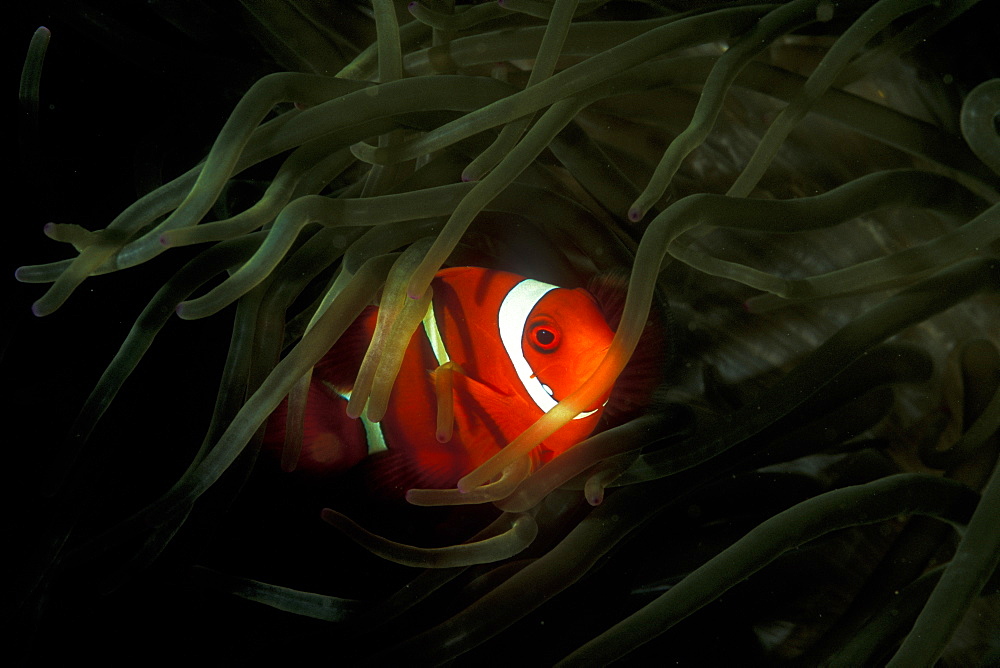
(596, 498)
(40, 309)
(20, 274)
(165, 240)
(635, 214)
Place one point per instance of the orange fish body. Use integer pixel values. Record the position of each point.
(520, 346)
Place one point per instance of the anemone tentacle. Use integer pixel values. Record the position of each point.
(804, 224)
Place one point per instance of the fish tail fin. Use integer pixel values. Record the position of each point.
(331, 441)
(339, 367)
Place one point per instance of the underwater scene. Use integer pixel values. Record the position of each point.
(541, 332)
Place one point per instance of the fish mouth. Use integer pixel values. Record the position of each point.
(589, 367)
(583, 370)
(598, 405)
(586, 368)
(587, 412)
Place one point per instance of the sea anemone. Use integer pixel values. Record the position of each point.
(802, 195)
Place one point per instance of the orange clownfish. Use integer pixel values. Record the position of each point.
(520, 345)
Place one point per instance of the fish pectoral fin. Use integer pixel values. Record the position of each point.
(478, 388)
(339, 367)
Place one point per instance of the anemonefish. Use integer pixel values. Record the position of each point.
(517, 345)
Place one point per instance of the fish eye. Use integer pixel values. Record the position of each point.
(543, 337)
